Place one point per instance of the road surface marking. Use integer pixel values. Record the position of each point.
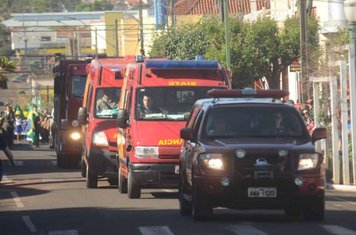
(63, 232)
(245, 229)
(169, 190)
(17, 199)
(343, 200)
(338, 230)
(155, 230)
(27, 220)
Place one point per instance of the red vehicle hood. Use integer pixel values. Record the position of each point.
(110, 128)
(162, 134)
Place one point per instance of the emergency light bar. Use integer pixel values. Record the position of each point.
(182, 64)
(248, 92)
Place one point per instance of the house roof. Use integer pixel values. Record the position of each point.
(205, 7)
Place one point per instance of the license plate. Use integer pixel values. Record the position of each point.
(176, 169)
(262, 192)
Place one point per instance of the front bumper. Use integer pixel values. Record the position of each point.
(102, 162)
(235, 195)
(164, 175)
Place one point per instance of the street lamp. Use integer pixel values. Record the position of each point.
(350, 9)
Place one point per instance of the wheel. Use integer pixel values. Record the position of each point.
(185, 206)
(83, 169)
(113, 181)
(91, 179)
(122, 184)
(133, 190)
(314, 209)
(60, 160)
(201, 209)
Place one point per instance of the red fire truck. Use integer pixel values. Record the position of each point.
(155, 103)
(69, 82)
(98, 119)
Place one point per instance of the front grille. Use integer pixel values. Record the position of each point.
(248, 167)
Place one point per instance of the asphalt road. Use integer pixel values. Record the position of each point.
(37, 197)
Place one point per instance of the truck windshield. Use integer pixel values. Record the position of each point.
(78, 86)
(106, 102)
(247, 121)
(167, 103)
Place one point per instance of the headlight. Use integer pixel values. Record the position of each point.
(100, 139)
(146, 152)
(75, 123)
(212, 160)
(307, 161)
(75, 135)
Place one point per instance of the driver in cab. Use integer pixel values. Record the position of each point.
(147, 107)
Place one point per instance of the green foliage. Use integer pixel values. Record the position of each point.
(258, 49)
(25, 6)
(6, 66)
(5, 43)
(99, 5)
(180, 43)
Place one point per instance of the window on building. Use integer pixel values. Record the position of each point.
(45, 38)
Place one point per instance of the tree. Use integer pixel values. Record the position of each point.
(258, 49)
(5, 43)
(6, 66)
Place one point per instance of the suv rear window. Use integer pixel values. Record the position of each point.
(253, 121)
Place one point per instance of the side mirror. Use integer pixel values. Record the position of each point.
(82, 116)
(122, 117)
(187, 133)
(64, 124)
(318, 134)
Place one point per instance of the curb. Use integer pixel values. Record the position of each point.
(340, 187)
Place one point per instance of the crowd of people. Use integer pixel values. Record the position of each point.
(14, 124)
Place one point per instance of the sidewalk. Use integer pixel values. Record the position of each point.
(341, 187)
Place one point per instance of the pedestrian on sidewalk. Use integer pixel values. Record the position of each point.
(18, 126)
(3, 144)
(36, 126)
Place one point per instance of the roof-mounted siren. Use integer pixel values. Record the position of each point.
(182, 64)
(140, 58)
(248, 92)
(199, 57)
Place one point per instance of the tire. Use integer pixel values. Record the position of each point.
(113, 181)
(60, 160)
(91, 179)
(314, 209)
(122, 184)
(133, 190)
(185, 206)
(201, 209)
(83, 170)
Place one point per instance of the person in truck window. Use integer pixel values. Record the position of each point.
(105, 103)
(278, 125)
(147, 106)
(218, 126)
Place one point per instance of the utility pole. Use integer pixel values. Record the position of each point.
(142, 48)
(96, 42)
(303, 42)
(116, 39)
(227, 33)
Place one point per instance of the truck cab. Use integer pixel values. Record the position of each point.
(155, 104)
(97, 116)
(69, 82)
